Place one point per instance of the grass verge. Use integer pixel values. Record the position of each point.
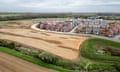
(32, 60)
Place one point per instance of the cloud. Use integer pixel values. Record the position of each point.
(46, 4)
(61, 5)
(66, 3)
(8, 1)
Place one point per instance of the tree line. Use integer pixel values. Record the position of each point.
(45, 15)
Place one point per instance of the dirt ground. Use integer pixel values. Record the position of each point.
(65, 46)
(12, 64)
(25, 23)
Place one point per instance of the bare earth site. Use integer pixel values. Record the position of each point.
(59, 36)
(12, 64)
(65, 46)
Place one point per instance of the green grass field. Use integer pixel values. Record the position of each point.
(104, 61)
(4, 15)
(31, 20)
(90, 46)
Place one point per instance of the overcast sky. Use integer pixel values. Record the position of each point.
(60, 6)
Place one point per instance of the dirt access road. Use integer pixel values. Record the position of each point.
(12, 64)
(65, 46)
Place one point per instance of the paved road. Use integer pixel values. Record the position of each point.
(117, 37)
(73, 30)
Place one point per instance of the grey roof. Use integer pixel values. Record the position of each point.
(96, 30)
(88, 29)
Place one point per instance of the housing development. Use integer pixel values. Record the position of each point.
(59, 35)
(59, 44)
(84, 26)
